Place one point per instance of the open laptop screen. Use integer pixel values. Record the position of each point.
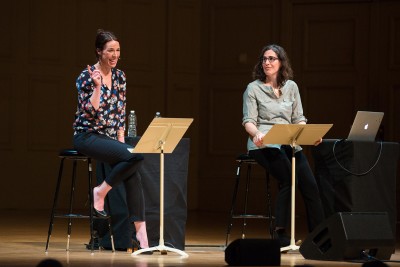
(365, 126)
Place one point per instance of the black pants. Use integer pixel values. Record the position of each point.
(278, 163)
(124, 167)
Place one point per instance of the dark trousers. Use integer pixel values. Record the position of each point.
(124, 167)
(278, 163)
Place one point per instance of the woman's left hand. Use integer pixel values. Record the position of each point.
(258, 139)
(318, 142)
(121, 135)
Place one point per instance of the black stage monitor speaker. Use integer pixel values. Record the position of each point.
(347, 235)
(250, 252)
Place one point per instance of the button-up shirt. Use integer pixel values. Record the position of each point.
(264, 109)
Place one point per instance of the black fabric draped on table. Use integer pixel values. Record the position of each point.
(349, 180)
(175, 200)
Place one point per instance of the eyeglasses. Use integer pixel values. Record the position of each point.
(271, 59)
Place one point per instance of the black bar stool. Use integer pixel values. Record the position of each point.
(249, 161)
(75, 156)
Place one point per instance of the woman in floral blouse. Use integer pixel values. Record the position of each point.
(99, 130)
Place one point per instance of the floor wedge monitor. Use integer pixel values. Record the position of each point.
(253, 252)
(349, 236)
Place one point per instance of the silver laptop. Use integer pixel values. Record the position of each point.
(365, 126)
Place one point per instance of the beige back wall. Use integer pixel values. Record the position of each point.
(187, 58)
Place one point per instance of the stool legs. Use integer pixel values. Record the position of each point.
(92, 232)
(109, 211)
(54, 203)
(92, 235)
(110, 227)
(269, 210)
(71, 201)
(107, 202)
(246, 198)
(245, 214)
(70, 216)
(235, 190)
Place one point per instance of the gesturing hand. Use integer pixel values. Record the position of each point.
(95, 75)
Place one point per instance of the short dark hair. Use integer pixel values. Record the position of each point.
(103, 37)
(285, 71)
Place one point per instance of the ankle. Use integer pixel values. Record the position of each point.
(141, 234)
(98, 199)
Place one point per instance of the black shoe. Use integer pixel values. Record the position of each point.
(284, 240)
(100, 213)
(96, 245)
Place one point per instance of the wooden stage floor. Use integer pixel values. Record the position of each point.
(23, 236)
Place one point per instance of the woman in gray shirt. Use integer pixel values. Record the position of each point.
(272, 98)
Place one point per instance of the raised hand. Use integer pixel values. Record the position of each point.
(95, 75)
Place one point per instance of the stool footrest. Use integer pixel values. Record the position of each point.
(252, 161)
(78, 216)
(251, 216)
(67, 216)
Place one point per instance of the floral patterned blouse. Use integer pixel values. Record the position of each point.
(110, 115)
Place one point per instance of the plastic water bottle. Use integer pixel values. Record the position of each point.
(158, 115)
(132, 124)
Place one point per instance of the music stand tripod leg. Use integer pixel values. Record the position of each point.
(292, 245)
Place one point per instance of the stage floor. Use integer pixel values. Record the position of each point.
(23, 237)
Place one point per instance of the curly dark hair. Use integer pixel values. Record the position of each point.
(285, 71)
(103, 37)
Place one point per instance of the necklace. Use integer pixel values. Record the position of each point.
(277, 91)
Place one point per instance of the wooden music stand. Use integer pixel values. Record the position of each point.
(295, 134)
(162, 136)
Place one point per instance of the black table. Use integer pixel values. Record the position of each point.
(175, 200)
(349, 181)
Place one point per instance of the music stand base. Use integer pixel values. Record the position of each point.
(163, 249)
(291, 247)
